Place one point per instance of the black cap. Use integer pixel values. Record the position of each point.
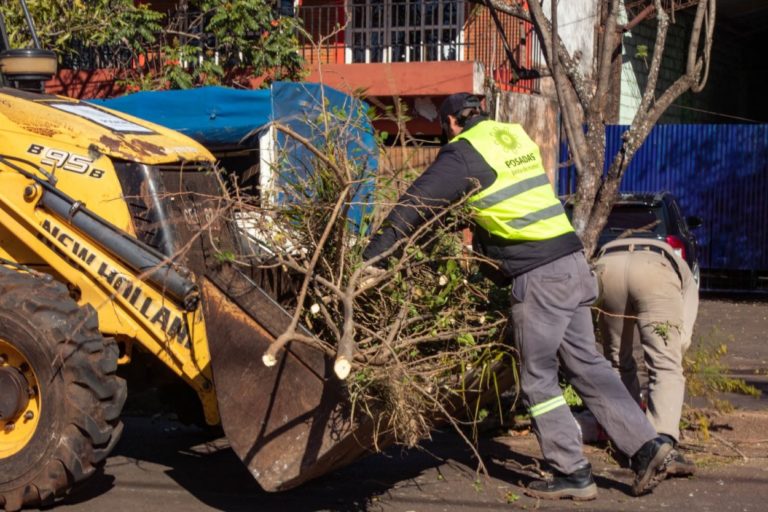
(455, 103)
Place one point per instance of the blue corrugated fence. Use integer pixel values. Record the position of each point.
(718, 172)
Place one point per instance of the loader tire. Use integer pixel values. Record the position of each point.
(62, 428)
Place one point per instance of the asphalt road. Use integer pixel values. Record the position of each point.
(161, 464)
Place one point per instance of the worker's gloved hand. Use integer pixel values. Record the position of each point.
(370, 275)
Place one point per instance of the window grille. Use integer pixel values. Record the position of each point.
(405, 31)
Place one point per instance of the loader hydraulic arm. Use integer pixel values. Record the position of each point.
(138, 256)
(139, 293)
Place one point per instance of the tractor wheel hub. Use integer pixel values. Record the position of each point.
(13, 393)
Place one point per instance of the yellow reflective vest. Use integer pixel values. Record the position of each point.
(520, 204)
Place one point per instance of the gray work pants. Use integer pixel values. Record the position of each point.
(550, 319)
(641, 290)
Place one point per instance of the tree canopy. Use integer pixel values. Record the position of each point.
(209, 42)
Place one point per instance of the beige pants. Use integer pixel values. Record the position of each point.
(642, 293)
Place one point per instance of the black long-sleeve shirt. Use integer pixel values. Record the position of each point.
(457, 171)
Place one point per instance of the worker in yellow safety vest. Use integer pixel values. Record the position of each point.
(520, 224)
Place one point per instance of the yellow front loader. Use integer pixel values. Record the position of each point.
(109, 247)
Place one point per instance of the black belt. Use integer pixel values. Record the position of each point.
(645, 247)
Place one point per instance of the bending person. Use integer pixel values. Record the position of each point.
(648, 289)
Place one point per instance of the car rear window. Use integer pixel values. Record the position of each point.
(636, 217)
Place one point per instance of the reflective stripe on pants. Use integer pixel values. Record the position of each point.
(546, 406)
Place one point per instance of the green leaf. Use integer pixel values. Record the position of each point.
(466, 339)
(225, 256)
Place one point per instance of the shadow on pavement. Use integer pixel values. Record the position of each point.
(202, 464)
(519, 469)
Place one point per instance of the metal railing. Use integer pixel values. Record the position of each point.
(368, 31)
(364, 31)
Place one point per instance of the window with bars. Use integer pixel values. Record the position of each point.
(405, 31)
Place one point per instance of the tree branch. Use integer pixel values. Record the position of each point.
(568, 82)
(649, 94)
(544, 33)
(608, 45)
(340, 174)
(543, 27)
(705, 14)
(290, 333)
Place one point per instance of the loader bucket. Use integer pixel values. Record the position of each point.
(288, 423)
(291, 422)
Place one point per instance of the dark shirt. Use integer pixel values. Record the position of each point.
(457, 171)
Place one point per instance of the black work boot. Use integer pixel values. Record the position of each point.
(650, 464)
(578, 486)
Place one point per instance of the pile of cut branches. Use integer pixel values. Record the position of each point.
(417, 344)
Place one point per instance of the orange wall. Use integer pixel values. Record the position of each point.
(400, 78)
(100, 83)
(395, 79)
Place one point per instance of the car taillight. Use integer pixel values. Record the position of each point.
(677, 245)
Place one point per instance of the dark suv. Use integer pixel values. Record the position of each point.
(653, 216)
